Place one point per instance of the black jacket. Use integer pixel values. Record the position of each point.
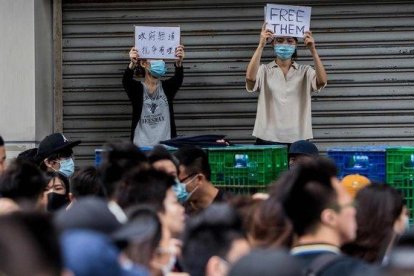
(135, 92)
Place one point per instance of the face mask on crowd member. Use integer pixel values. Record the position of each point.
(56, 194)
(67, 167)
(284, 52)
(181, 191)
(156, 68)
(284, 47)
(55, 154)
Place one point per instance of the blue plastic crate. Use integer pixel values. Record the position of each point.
(368, 161)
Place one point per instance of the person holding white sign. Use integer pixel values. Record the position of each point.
(284, 106)
(152, 98)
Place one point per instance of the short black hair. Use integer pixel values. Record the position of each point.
(118, 159)
(210, 233)
(144, 187)
(22, 181)
(1, 141)
(307, 192)
(195, 160)
(161, 153)
(85, 182)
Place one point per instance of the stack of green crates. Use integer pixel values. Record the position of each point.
(400, 174)
(246, 169)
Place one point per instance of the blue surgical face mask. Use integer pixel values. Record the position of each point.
(67, 167)
(157, 68)
(180, 191)
(284, 51)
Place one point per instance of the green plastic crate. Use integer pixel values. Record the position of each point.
(246, 169)
(400, 174)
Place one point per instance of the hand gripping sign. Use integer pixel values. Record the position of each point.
(157, 42)
(285, 20)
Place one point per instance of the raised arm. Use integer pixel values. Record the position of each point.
(254, 63)
(175, 82)
(321, 76)
(130, 85)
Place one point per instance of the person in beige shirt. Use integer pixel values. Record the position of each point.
(284, 106)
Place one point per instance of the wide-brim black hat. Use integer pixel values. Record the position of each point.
(54, 143)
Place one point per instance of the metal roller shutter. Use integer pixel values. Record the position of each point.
(367, 49)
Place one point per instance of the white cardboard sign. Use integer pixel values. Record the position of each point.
(157, 42)
(286, 20)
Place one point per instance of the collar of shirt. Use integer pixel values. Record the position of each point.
(306, 249)
(274, 64)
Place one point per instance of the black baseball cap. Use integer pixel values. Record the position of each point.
(54, 143)
(303, 147)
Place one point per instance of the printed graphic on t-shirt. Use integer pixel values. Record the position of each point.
(156, 109)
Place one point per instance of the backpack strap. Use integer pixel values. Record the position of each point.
(320, 263)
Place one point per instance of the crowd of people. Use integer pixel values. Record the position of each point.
(157, 213)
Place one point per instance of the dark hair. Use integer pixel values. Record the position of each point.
(195, 160)
(161, 153)
(51, 175)
(118, 159)
(28, 155)
(86, 181)
(307, 192)
(22, 181)
(1, 141)
(378, 208)
(295, 54)
(270, 227)
(139, 71)
(29, 245)
(144, 187)
(141, 235)
(65, 153)
(210, 233)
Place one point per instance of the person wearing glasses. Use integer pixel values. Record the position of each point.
(284, 86)
(195, 175)
(327, 221)
(55, 154)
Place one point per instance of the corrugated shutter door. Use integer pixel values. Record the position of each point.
(367, 49)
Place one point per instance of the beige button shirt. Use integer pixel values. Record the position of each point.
(284, 105)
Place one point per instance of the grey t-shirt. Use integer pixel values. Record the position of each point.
(154, 125)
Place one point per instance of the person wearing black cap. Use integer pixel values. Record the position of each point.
(301, 152)
(55, 154)
(2, 155)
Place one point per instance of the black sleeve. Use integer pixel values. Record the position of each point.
(131, 86)
(174, 83)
